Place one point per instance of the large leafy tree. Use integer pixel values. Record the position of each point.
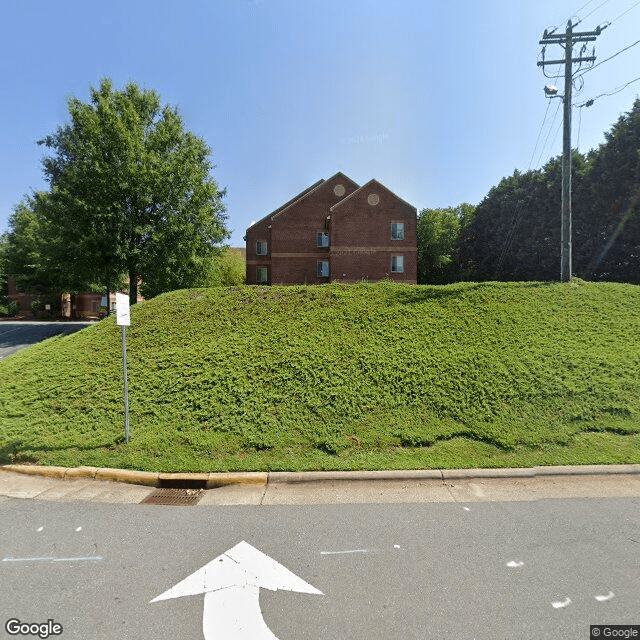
(438, 232)
(131, 192)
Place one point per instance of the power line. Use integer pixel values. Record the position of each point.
(595, 66)
(553, 121)
(589, 102)
(592, 12)
(582, 7)
(625, 12)
(579, 127)
(542, 127)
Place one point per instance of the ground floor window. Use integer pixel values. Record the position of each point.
(323, 269)
(397, 264)
(261, 275)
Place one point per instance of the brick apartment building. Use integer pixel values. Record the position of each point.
(335, 231)
(82, 305)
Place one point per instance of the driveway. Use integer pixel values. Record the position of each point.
(19, 334)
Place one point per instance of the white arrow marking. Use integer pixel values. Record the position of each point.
(514, 564)
(559, 605)
(604, 598)
(231, 584)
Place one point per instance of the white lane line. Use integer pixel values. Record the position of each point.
(79, 529)
(335, 553)
(560, 605)
(514, 564)
(604, 598)
(466, 508)
(51, 559)
(40, 529)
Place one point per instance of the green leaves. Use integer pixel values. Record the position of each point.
(340, 376)
(516, 231)
(131, 192)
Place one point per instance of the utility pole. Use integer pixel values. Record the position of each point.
(566, 40)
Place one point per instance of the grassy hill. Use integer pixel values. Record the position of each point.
(339, 377)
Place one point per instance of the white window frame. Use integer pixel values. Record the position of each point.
(320, 269)
(398, 263)
(322, 239)
(398, 228)
(266, 275)
(260, 243)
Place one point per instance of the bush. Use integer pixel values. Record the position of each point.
(12, 308)
(36, 306)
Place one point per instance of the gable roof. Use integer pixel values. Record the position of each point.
(371, 182)
(289, 202)
(301, 196)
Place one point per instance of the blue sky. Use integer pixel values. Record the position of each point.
(437, 100)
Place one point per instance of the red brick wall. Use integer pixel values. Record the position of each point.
(360, 237)
(292, 233)
(361, 243)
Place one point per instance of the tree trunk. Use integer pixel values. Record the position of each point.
(108, 311)
(133, 286)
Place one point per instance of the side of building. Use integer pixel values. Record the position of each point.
(335, 231)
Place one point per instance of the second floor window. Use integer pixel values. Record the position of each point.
(322, 269)
(397, 230)
(261, 248)
(322, 239)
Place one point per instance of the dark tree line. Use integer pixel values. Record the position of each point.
(515, 232)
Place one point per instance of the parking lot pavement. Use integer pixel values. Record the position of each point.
(16, 335)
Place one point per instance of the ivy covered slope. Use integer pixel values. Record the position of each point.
(339, 377)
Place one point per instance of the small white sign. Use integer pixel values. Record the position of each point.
(122, 309)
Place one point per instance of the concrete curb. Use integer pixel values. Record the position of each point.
(127, 475)
(262, 478)
(336, 476)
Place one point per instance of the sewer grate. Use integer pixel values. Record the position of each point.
(175, 497)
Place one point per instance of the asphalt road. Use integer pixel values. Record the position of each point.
(461, 570)
(19, 334)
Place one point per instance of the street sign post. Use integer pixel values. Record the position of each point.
(123, 318)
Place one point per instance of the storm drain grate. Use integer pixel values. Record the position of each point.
(176, 497)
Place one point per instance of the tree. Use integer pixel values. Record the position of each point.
(438, 232)
(4, 272)
(32, 249)
(515, 234)
(607, 229)
(131, 192)
(228, 269)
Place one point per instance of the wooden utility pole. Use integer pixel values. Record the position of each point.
(567, 40)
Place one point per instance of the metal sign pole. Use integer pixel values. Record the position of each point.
(123, 318)
(126, 384)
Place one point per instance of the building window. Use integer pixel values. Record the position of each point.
(261, 275)
(322, 238)
(397, 230)
(322, 270)
(397, 264)
(261, 248)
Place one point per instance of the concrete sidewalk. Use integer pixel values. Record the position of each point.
(325, 487)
